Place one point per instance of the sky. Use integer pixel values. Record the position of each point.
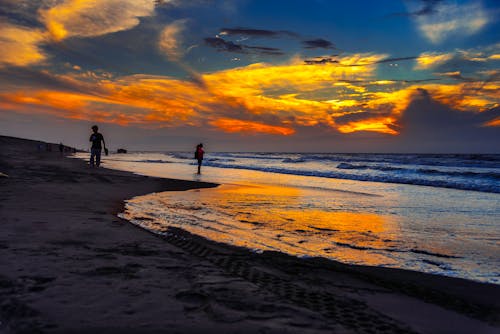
(410, 76)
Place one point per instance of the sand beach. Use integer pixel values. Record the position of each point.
(70, 265)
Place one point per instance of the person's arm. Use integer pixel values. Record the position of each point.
(104, 144)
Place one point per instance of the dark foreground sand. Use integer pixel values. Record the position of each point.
(69, 265)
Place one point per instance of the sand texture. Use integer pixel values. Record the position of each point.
(68, 264)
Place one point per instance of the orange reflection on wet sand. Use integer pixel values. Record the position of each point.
(273, 218)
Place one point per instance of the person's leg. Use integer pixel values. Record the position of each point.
(92, 157)
(199, 166)
(98, 157)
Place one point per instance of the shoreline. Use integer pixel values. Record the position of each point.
(72, 266)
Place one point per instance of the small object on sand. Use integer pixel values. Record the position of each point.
(3, 175)
(121, 150)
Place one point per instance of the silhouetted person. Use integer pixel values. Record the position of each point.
(95, 150)
(61, 148)
(198, 155)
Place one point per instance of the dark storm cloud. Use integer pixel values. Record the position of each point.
(23, 13)
(429, 126)
(261, 48)
(26, 77)
(332, 59)
(428, 7)
(257, 32)
(222, 45)
(318, 43)
(319, 61)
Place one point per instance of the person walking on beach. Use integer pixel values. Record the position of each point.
(198, 155)
(95, 150)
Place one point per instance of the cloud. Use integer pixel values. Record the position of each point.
(430, 125)
(354, 60)
(21, 46)
(473, 96)
(321, 60)
(444, 20)
(394, 60)
(318, 43)
(265, 50)
(22, 12)
(472, 63)
(169, 40)
(222, 45)
(88, 18)
(163, 101)
(256, 32)
(425, 7)
(13, 77)
(159, 3)
(455, 75)
(243, 126)
(259, 98)
(493, 123)
(428, 60)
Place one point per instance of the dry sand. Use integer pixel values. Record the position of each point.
(69, 265)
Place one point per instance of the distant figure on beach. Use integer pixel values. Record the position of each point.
(95, 150)
(198, 155)
(61, 148)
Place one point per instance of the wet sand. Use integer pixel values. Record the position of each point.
(69, 265)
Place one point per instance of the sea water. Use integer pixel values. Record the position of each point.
(431, 213)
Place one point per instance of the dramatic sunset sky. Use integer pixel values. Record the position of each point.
(254, 75)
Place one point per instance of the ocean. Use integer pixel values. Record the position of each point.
(426, 212)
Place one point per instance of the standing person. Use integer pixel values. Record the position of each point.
(95, 150)
(61, 148)
(198, 155)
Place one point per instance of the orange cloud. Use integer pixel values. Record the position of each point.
(494, 122)
(20, 46)
(88, 18)
(291, 95)
(236, 125)
(471, 96)
(429, 60)
(383, 125)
